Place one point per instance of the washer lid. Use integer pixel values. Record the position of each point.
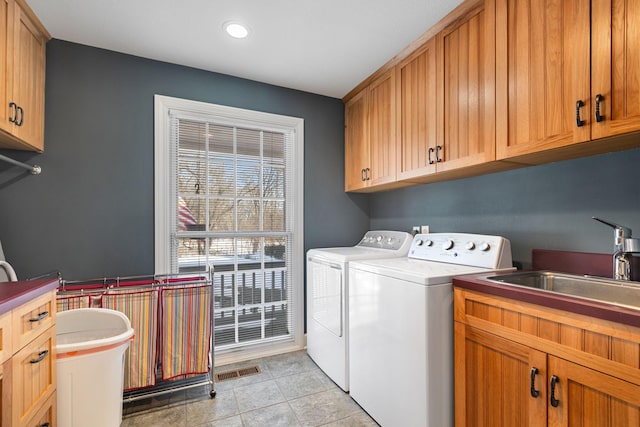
(414, 270)
(350, 253)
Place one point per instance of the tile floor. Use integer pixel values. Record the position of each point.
(290, 391)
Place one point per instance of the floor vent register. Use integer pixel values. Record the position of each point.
(237, 373)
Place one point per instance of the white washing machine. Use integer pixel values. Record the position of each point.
(401, 326)
(328, 297)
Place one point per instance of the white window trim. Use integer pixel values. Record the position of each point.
(162, 185)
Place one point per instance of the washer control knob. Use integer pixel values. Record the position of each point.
(419, 242)
(484, 247)
(447, 245)
(429, 242)
(470, 246)
(390, 240)
(379, 239)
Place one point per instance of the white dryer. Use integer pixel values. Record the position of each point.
(401, 326)
(328, 297)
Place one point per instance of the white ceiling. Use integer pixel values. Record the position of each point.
(325, 47)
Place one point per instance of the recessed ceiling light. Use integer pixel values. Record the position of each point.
(236, 29)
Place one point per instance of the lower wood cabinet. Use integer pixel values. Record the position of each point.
(28, 375)
(46, 415)
(519, 364)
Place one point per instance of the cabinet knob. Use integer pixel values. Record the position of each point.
(532, 389)
(552, 395)
(13, 106)
(579, 104)
(39, 317)
(41, 356)
(20, 121)
(599, 99)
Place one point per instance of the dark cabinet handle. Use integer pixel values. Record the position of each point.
(14, 106)
(431, 150)
(532, 390)
(552, 395)
(599, 99)
(579, 104)
(40, 317)
(41, 356)
(367, 170)
(19, 122)
(362, 174)
(438, 148)
(47, 424)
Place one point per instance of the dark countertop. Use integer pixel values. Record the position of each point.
(600, 310)
(14, 294)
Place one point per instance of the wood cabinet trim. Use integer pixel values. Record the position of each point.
(551, 344)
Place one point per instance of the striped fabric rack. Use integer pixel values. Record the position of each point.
(172, 318)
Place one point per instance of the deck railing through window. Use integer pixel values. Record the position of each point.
(250, 304)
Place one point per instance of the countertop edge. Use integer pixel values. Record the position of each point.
(14, 294)
(604, 311)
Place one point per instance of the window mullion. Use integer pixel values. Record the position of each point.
(206, 191)
(236, 302)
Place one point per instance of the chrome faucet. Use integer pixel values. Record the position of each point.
(623, 248)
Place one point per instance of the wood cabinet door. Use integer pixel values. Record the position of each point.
(416, 93)
(542, 73)
(466, 89)
(493, 381)
(382, 129)
(356, 144)
(5, 111)
(34, 377)
(615, 66)
(28, 64)
(586, 397)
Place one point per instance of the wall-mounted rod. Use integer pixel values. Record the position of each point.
(35, 169)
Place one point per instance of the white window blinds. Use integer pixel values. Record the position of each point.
(233, 206)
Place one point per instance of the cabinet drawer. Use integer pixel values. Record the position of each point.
(34, 378)
(31, 319)
(5, 337)
(46, 415)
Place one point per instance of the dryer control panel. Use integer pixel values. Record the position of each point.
(477, 250)
(391, 240)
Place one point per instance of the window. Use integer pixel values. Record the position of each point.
(229, 195)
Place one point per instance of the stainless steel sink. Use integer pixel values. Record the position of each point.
(620, 292)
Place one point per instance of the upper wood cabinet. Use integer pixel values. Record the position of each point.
(5, 14)
(356, 141)
(561, 67)
(466, 89)
(382, 129)
(542, 73)
(370, 135)
(615, 67)
(498, 84)
(416, 94)
(22, 77)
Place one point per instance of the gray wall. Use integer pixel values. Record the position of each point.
(548, 206)
(90, 212)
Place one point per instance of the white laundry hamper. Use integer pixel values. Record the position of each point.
(90, 367)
